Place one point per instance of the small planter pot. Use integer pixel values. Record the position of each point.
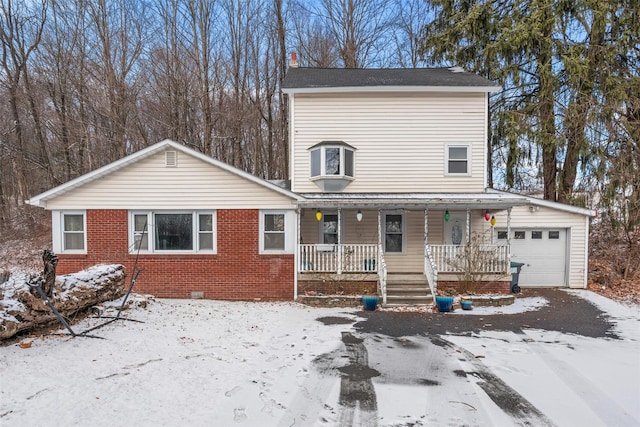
(466, 305)
(444, 303)
(370, 302)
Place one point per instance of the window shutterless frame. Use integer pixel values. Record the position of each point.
(172, 231)
(277, 231)
(457, 160)
(69, 232)
(331, 160)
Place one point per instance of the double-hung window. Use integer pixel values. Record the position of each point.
(184, 231)
(69, 232)
(458, 159)
(276, 232)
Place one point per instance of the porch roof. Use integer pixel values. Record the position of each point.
(493, 201)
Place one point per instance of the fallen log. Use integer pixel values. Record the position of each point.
(22, 311)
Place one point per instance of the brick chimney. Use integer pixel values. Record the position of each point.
(293, 62)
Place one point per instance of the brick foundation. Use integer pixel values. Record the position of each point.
(337, 287)
(457, 288)
(236, 272)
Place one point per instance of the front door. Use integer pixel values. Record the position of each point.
(455, 230)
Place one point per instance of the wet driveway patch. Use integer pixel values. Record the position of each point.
(565, 313)
(335, 320)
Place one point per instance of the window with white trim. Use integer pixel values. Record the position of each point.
(167, 231)
(458, 159)
(73, 232)
(394, 231)
(329, 230)
(332, 160)
(276, 232)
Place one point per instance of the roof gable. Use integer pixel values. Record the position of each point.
(381, 79)
(41, 199)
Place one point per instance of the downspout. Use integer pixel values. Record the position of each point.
(586, 255)
(292, 156)
(296, 256)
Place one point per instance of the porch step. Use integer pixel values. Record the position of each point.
(403, 300)
(408, 289)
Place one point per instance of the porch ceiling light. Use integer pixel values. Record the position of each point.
(447, 215)
(487, 216)
(493, 221)
(318, 215)
(359, 215)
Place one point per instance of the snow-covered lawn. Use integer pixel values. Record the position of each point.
(212, 363)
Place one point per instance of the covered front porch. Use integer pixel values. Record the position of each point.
(428, 240)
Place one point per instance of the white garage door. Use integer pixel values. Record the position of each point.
(543, 252)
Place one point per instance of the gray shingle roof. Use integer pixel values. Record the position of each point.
(317, 78)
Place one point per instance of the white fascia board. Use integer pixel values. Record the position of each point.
(347, 89)
(551, 205)
(41, 199)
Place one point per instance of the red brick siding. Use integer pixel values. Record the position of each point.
(236, 272)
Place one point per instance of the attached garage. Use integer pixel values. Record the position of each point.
(551, 239)
(544, 253)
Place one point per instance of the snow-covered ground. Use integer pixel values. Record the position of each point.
(212, 363)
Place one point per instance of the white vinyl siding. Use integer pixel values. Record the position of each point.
(192, 184)
(400, 138)
(552, 219)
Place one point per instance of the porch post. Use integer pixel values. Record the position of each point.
(426, 235)
(426, 226)
(468, 225)
(339, 251)
(379, 228)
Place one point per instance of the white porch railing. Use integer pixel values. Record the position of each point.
(343, 258)
(430, 270)
(487, 258)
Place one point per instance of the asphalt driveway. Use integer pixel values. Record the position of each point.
(566, 313)
(440, 368)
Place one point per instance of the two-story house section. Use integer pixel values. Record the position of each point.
(392, 168)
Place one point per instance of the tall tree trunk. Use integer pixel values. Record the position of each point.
(546, 100)
(282, 168)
